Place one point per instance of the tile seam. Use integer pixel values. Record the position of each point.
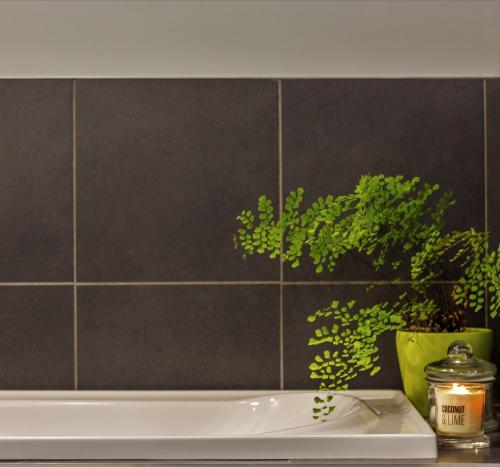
(280, 205)
(173, 283)
(35, 284)
(75, 277)
(199, 283)
(485, 168)
(485, 154)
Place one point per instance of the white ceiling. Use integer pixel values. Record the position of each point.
(249, 38)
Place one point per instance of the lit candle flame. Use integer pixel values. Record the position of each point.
(459, 389)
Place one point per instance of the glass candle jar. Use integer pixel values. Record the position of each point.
(459, 397)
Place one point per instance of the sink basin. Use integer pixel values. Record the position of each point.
(132, 425)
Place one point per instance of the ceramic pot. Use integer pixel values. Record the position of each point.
(417, 349)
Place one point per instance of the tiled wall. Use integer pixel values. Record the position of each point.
(118, 200)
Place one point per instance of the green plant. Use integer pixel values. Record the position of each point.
(396, 227)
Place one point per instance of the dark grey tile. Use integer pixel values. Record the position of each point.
(493, 119)
(494, 324)
(476, 319)
(36, 337)
(302, 301)
(36, 180)
(178, 337)
(334, 131)
(164, 168)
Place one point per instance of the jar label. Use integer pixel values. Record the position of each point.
(460, 414)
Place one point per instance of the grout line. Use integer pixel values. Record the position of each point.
(280, 204)
(199, 283)
(173, 283)
(485, 168)
(286, 283)
(75, 288)
(280, 148)
(485, 143)
(34, 284)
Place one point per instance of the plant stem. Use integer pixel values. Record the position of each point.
(385, 279)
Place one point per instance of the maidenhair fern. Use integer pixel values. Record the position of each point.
(385, 217)
(382, 213)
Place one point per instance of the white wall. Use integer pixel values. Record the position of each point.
(253, 38)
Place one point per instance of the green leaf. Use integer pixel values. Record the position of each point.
(385, 221)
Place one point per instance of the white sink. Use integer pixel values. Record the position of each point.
(85, 425)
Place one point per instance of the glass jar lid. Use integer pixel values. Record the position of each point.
(461, 365)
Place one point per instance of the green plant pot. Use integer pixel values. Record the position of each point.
(417, 349)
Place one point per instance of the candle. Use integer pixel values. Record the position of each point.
(459, 409)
